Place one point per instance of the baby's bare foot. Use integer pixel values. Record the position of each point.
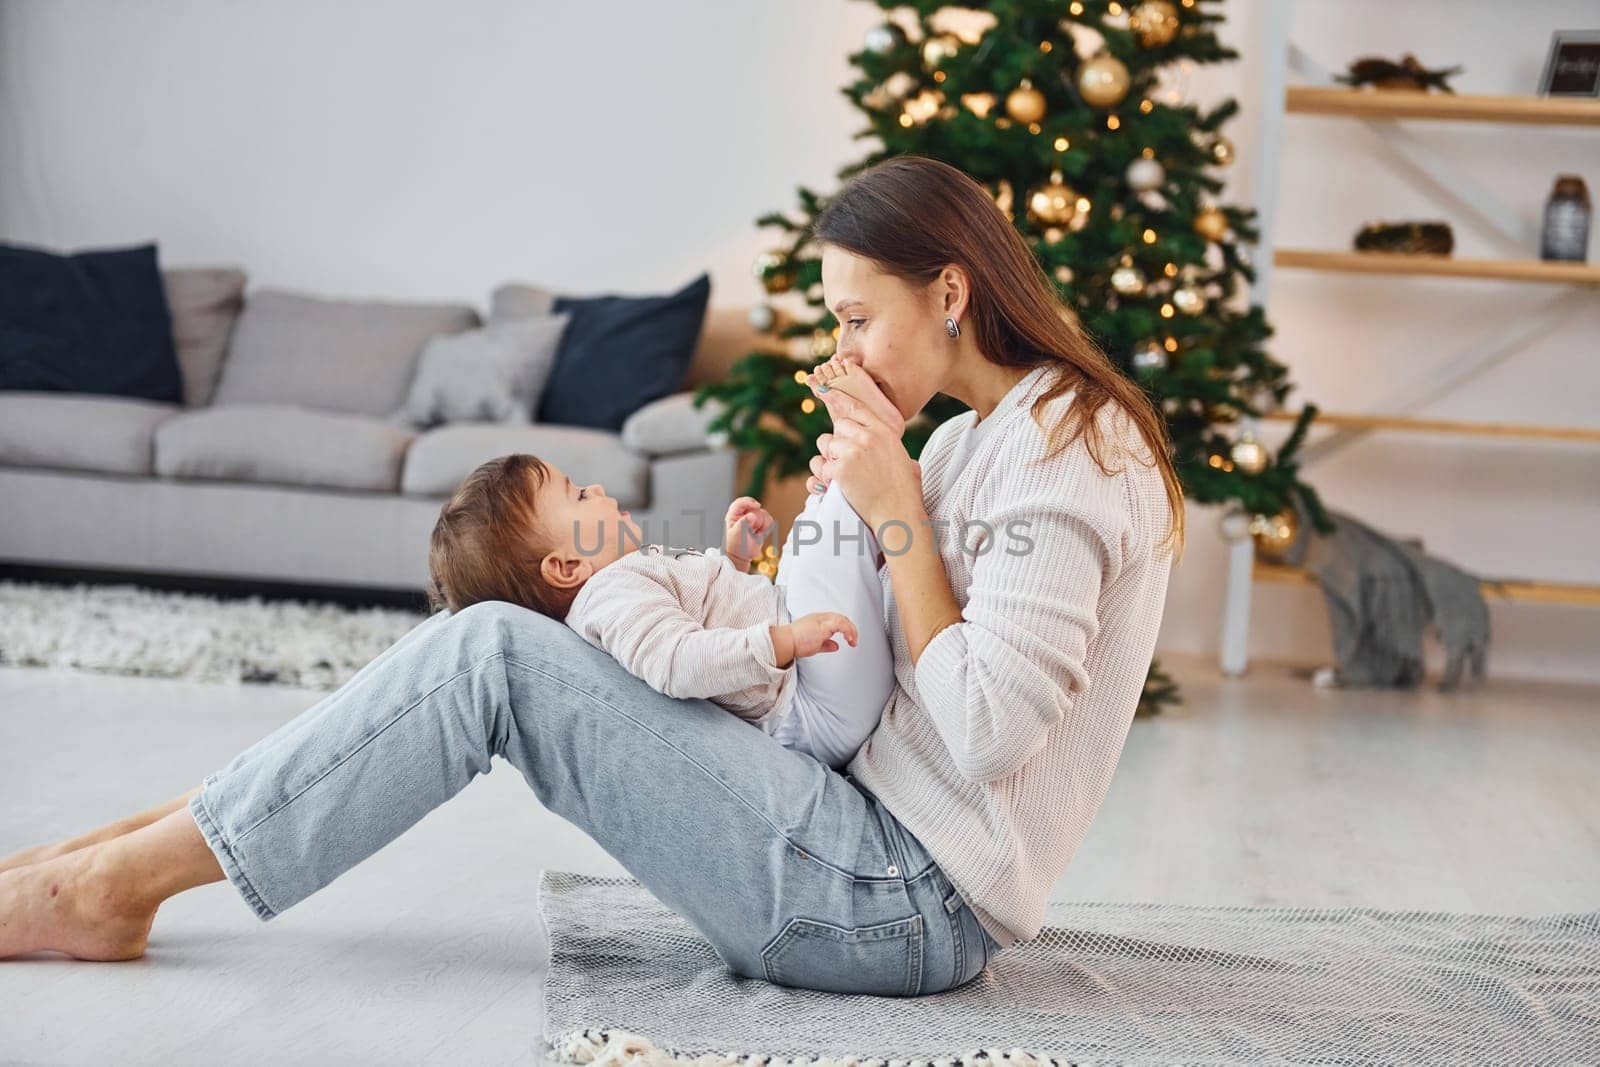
(68, 904)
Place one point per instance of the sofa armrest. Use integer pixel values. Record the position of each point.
(672, 424)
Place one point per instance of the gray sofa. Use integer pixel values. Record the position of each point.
(286, 466)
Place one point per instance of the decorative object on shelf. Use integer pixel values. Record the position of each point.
(1144, 175)
(1409, 238)
(1383, 596)
(1565, 235)
(772, 271)
(1407, 74)
(1103, 81)
(1154, 22)
(1025, 103)
(884, 38)
(1573, 66)
(1211, 223)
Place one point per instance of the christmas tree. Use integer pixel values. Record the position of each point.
(1068, 113)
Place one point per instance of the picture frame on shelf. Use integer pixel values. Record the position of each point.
(1573, 66)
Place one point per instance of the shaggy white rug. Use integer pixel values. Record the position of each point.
(122, 629)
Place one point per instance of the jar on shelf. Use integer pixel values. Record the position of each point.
(1566, 221)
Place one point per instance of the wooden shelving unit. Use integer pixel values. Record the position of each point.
(1441, 107)
(1506, 270)
(1378, 111)
(1517, 589)
(1573, 434)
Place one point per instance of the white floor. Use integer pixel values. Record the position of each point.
(1260, 791)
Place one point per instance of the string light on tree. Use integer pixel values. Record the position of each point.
(1188, 299)
(1128, 279)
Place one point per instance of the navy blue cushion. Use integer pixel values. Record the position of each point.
(621, 352)
(95, 322)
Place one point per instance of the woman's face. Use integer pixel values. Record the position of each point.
(889, 327)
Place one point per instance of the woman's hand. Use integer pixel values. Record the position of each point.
(864, 452)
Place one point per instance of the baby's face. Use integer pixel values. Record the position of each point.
(585, 521)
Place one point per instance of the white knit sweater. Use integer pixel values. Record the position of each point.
(998, 744)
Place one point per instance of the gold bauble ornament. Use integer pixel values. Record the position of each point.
(1188, 299)
(1025, 104)
(1222, 151)
(1155, 22)
(980, 104)
(1056, 203)
(938, 48)
(1128, 280)
(1211, 223)
(771, 270)
(1103, 81)
(822, 344)
(1274, 534)
(1249, 454)
(1054, 234)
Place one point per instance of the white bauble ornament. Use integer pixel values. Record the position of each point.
(1143, 174)
(1149, 357)
(1188, 299)
(884, 38)
(763, 317)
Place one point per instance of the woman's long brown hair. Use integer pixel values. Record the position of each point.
(913, 216)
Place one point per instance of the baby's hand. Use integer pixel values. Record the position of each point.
(814, 633)
(746, 526)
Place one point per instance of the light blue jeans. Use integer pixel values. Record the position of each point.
(792, 871)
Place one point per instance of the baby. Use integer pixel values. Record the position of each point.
(690, 622)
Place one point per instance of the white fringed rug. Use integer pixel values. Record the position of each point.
(1128, 984)
(123, 629)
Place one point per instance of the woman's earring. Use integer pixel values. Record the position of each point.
(951, 328)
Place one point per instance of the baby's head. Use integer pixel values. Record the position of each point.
(519, 530)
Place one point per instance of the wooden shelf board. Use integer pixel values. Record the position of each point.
(1512, 270)
(1447, 107)
(1503, 589)
(1581, 434)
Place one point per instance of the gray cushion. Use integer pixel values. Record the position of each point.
(440, 459)
(517, 301)
(671, 424)
(282, 445)
(204, 302)
(337, 355)
(492, 374)
(67, 431)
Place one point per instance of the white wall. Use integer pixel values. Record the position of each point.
(434, 150)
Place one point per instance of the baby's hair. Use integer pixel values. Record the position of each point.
(488, 541)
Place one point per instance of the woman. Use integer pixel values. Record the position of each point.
(1026, 561)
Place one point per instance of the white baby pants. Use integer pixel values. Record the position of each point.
(830, 563)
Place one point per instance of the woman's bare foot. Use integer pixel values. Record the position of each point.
(68, 904)
(40, 853)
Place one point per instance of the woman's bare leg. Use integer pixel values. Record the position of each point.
(39, 853)
(98, 902)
